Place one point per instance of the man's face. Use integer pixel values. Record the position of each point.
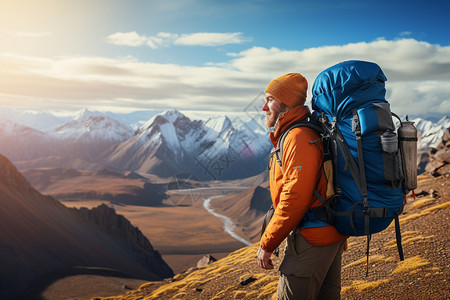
(273, 108)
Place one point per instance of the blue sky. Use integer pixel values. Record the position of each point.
(213, 55)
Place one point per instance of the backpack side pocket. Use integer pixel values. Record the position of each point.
(393, 173)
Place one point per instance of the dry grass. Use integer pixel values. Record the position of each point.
(410, 264)
(424, 179)
(423, 202)
(409, 237)
(185, 286)
(361, 285)
(372, 259)
(425, 212)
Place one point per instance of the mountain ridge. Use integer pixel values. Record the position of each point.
(40, 236)
(171, 143)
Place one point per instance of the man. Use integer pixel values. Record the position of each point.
(311, 268)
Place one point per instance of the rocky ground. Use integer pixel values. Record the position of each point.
(424, 273)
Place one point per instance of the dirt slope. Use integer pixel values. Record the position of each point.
(423, 275)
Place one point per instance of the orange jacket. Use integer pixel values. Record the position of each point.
(292, 190)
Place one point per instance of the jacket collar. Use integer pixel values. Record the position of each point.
(293, 115)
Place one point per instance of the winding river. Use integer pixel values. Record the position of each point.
(227, 222)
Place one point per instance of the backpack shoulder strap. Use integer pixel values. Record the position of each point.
(304, 123)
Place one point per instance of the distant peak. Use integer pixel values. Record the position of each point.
(172, 115)
(444, 120)
(167, 116)
(219, 123)
(86, 114)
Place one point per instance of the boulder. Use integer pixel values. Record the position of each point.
(440, 155)
(205, 260)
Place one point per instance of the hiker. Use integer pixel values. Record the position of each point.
(311, 268)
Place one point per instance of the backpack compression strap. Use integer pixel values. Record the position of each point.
(362, 172)
(358, 173)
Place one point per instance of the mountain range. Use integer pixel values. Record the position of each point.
(167, 144)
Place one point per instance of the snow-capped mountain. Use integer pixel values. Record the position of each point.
(159, 146)
(20, 142)
(78, 143)
(430, 136)
(430, 133)
(10, 128)
(93, 126)
(39, 120)
(135, 119)
(171, 143)
(89, 135)
(256, 124)
(219, 124)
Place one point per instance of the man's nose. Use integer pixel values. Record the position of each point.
(264, 108)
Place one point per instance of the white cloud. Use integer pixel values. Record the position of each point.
(418, 72)
(405, 59)
(33, 34)
(418, 78)
(85, 81)
(127, 39)
(155, 42)
(420, 98)
(167, 35)
(210, 39)
(165, 39)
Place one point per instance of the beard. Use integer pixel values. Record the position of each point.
(271, 119)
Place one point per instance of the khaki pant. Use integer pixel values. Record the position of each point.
(309, 272)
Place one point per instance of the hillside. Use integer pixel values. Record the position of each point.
(40, 237)
(158, 213)
(423, 274)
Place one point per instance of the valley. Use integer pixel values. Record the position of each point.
(181, 234)
(171, 213)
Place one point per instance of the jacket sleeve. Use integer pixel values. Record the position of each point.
(301, 168)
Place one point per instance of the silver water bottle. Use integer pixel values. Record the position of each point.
(407, 135)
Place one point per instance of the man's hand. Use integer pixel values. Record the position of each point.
(264, 260)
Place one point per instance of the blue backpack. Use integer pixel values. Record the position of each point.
(352, 116)
(350, 99)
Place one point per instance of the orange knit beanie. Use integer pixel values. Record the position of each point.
(289, 89)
